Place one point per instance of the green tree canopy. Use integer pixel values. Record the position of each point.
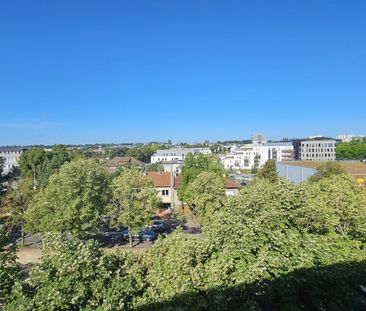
(195, 165)
(274, 246)
(9, 268)
(30, 163)
(40, 165)
(333, 205)
(74, 200)
(17, 202)
(73, 275)
(354, 150)
(206, 195)
(144, 153)
(268, 171)
(327, 169)
(135, 200)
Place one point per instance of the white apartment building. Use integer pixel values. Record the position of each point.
(256, 155)
(11, 156)
(318, 150)
(176, 154)
(346, 138)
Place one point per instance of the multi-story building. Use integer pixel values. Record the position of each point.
(317, 150)
(11, 156)
(177, 154)
(258, 139)
(346, 138)
(256, 155)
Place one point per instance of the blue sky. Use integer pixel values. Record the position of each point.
(120, 71)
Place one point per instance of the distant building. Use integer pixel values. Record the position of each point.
(231, 187)
(176, 154)
(173, 166)
(317, 150)
(11, 156)
(256, 155)
(113, 164)
(259, 139)
(346, 138)
(167, 184)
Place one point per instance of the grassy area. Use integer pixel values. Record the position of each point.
(355, 168)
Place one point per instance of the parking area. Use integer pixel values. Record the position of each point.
(110, 240)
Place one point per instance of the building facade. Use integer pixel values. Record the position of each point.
(11, 156)
(176, 154)
(346, 138)
(317, 150)
(173, 166)
(167, 184)
(256, 155)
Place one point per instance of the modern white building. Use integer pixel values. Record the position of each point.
(177, 154)
(259, 139)
(173, 166)
(346, 138)
(256, 155)
(318, 150)
(11, 156)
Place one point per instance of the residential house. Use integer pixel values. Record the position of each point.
(232, 187)
(113, 164)
(167, 183)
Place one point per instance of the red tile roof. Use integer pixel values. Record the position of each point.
(231, 184)
(160, 179)
(163, 180)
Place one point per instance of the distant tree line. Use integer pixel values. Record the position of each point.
(354, 150)
(142, 153)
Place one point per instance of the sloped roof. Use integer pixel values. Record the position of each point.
(160, 179)
(231, 184)
(124, 160)
(163, 179)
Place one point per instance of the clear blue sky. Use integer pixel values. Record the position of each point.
(140, 70)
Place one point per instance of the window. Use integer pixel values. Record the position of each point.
(165, 192)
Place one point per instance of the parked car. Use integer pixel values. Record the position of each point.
(148, 235)
(145, 235)
(157, 225)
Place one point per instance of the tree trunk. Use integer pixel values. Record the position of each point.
(22, 234)
(130, 237)
(34, 179)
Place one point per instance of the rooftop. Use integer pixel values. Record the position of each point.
(161, 179)
(113, 163)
